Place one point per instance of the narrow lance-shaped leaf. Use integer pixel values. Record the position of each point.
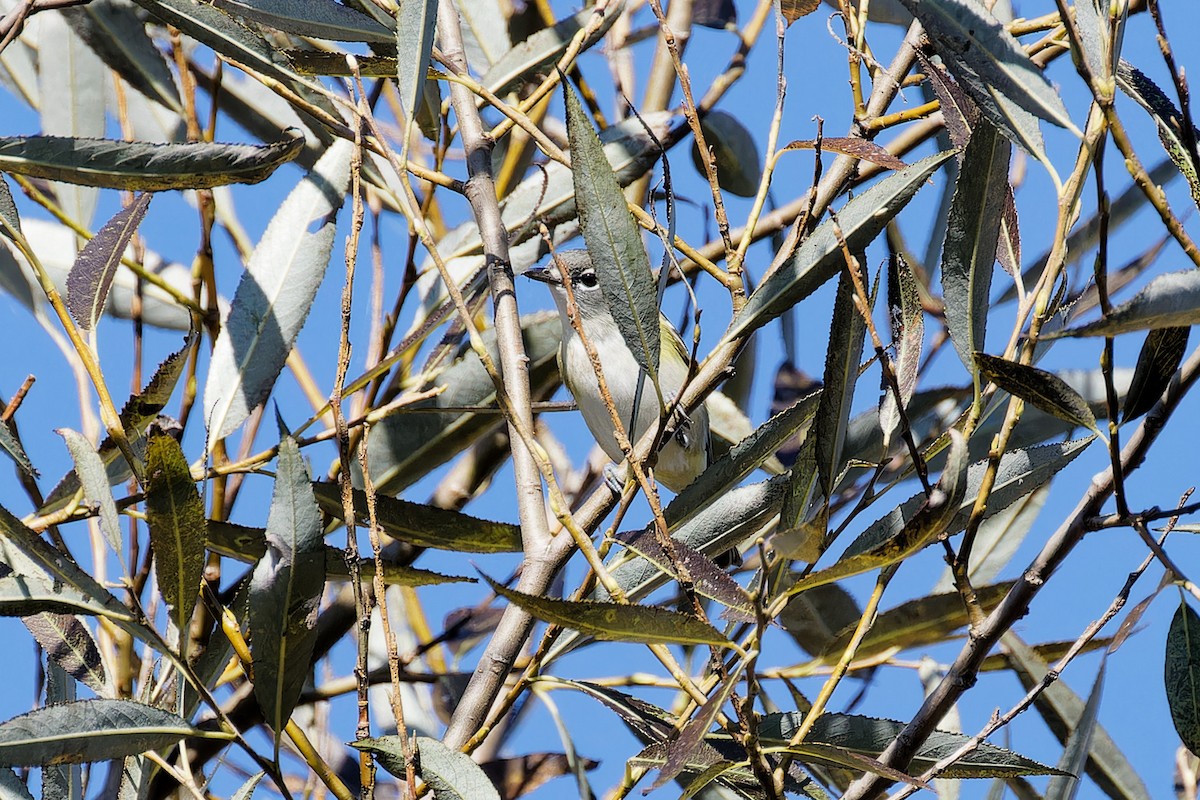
(10, 220)
(142, 166)
(92, 276)
(1075, 754)
(424, 525)
(1062, 708)
(176, 519)
(1160, 356)
(12, 445)
(1182, 675)
(614, 621)
(275, 294)
(116, 33)
(91, 730)
(871, 737)
(1149, 96)
(94, 480)
(969, 39)
(613, 240)
(820, 257)
(969, 252)
(285, 590)
(1168, 301)
(846, 334)
(324, 19)
(415, 23)
(908, 333)
(1041, 389)
(70, 645)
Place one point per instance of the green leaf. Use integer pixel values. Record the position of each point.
(932, 520)
(415, 23)
(142, 166)
(323, 19)
(275, 294)
(613, 240)
(425, 526)
(1062, 709)
(820, 257)
(91, 730)
(847, 332)
(814, 618)
(285, 590)
(92, 276)
(176, 520)
(12, 445)
(1020, 472)
(707, 579)
(1160, 356)
(997, 540)
(246, 791)
(10, 220)
(913, 625)
(114, 31)
(1182, 675)
(1166, 116)
(908, 333)
(1168, 301)
(616, 622)
(870, 737)
(68, 643)
(969, 251)
(1041, 389)
(451, 775)
(250, 544)
(975, 44)
(93, 478)
(544, 48)
(739, 164)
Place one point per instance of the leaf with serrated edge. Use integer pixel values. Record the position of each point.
(1160, 356)
(91, 730)
(143, 166)
(1061, 708)
(285, 590)
(870, 736)
(1041, 389)
(92, 276)
(616, 622)
(1181, 674)
(820, 257)
(1149, 96)
(8, 210)
(997, 540)
(11, 445)
(426, 526)
(1168, 301)
(69, 644)
(969, 251)
(707, 578)
(275, 294)
(847, 332)
(969, 38)
(89, 467)
(613, 240)
(176, 520)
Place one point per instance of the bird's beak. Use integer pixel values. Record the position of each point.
(544, 275)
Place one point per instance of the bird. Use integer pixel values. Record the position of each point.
(689, 451)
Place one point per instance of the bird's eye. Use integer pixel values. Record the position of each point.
(589, 279)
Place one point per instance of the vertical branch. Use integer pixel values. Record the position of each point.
(480, 189)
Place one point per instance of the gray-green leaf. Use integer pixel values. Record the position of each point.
(1182, 675)
(1168, 301)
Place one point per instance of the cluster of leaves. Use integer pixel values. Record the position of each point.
(153, 658)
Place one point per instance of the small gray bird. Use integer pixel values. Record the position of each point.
(688, 452)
